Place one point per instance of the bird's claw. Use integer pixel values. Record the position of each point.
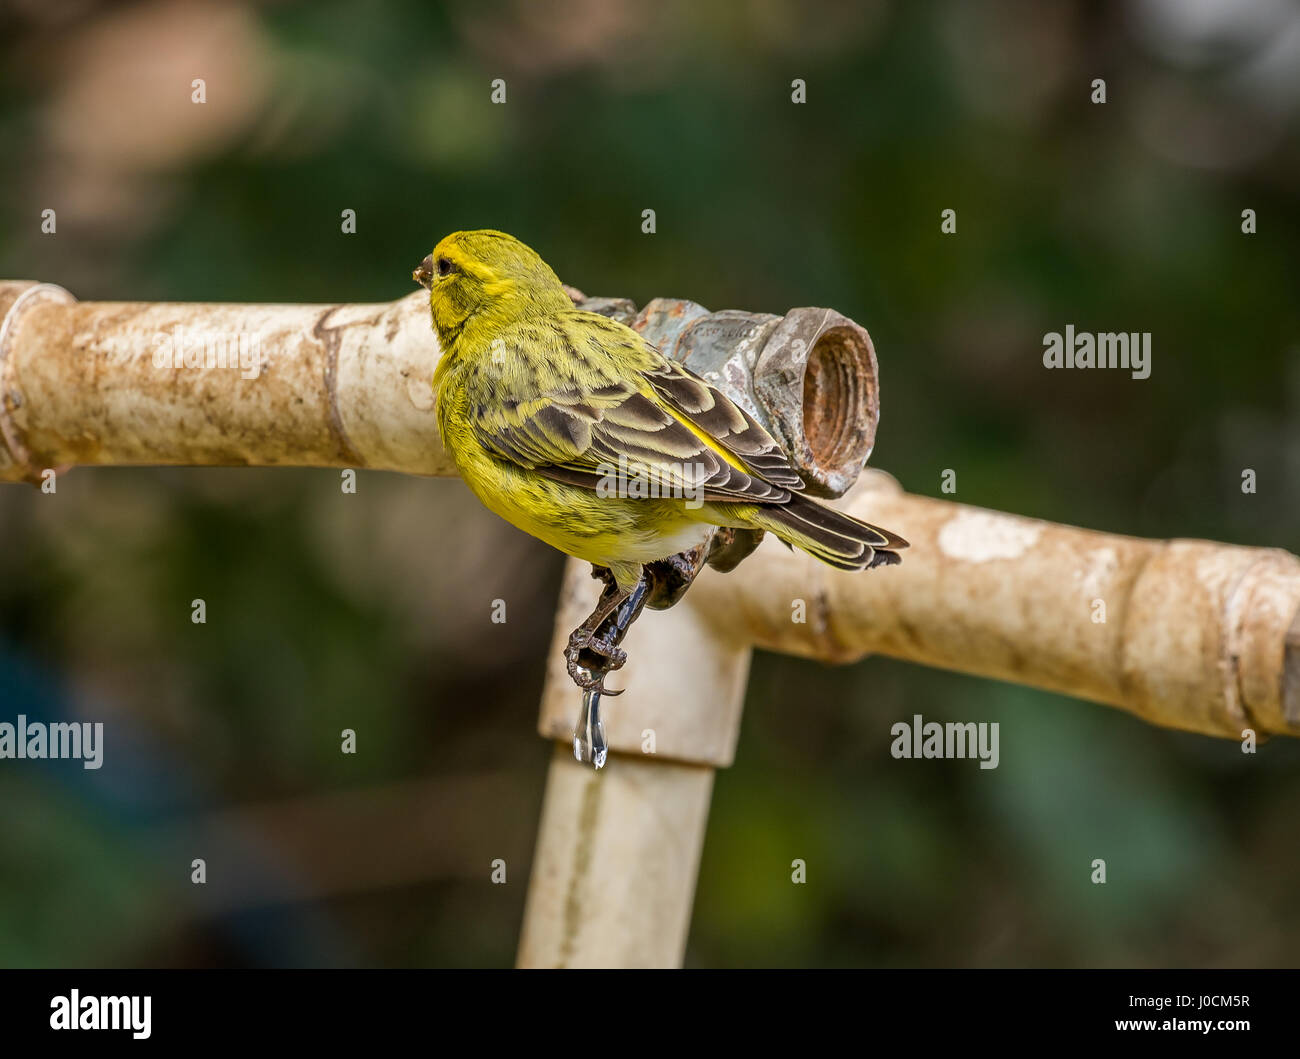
(589, 680)
(592, 676)
(602, 646)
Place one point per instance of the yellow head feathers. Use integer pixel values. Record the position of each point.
(484, 279)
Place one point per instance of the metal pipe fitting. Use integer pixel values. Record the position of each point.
(810, 377)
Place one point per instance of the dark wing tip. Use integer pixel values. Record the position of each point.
(884, 558)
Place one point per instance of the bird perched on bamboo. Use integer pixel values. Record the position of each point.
(553, 415)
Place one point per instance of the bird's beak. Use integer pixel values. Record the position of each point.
(424, 274)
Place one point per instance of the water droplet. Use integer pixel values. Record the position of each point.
(589, 737)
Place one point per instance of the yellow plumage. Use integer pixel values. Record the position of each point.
(561, 420)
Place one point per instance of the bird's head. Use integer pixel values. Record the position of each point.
(487, 278)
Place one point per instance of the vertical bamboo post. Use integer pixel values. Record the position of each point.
(618, 850)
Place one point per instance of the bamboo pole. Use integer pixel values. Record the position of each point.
(618, 850)
(1196, 635)
(131, 383)
(617, 857)
(1183, 633)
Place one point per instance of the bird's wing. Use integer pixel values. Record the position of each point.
(725, 422)
(653, 421)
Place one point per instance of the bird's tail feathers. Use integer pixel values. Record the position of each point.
(835, 538)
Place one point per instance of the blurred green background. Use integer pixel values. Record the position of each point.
(328, 611)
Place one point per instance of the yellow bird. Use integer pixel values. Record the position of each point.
(575, 429)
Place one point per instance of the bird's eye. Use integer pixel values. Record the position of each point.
(444, 266)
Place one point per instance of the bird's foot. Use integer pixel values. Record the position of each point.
(670, 578)
(590, 658)
(593, 653)
(604, 575)
(729, 546)
(602, 650)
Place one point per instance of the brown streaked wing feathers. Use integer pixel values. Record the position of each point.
(568, 439)
(726, 422)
